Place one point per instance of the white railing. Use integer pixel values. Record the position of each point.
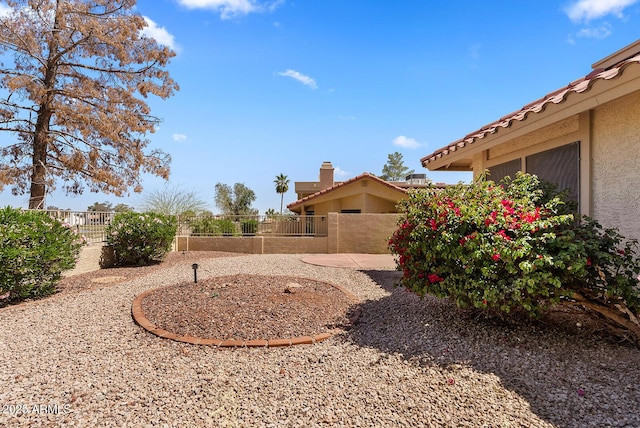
(91, 224)
(272, 225)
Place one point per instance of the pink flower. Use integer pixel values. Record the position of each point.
(451, 381)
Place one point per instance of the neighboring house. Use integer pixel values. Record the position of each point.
(585, 137)
(364, 194)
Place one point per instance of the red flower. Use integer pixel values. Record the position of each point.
(588, 261)
(504, 235)
(496, 257)
(484, 302)
(433, 224)
(434, 278)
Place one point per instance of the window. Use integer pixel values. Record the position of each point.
(498, 172)
(350, 211)
(560, 166)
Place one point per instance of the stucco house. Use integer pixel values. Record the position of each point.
(364, 194)
(585, 136)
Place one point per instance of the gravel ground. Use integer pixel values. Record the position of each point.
(78, 359)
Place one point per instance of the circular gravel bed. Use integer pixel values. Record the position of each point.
(246, 310)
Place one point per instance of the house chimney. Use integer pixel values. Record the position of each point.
(326, 175)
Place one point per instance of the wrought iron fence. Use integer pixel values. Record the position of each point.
(91, 224)
(273, 225)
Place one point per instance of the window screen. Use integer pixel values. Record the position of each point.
(498, 172)
(560, 166)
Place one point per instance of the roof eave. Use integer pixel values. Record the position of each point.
(459, 154)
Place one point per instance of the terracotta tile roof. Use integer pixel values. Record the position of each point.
(579, 86)
(342, 184)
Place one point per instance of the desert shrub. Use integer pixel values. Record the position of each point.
(34, 251)
(515, 246)
(140, 239)
(211, 226)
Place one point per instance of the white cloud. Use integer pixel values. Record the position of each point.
(304, 79)
(160, 34)
(601, 32)
(586, 10)
(179, 137)
(340, 172)
(230, 8)
(406, 142)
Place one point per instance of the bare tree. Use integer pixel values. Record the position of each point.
(173, 201)
(74, 97)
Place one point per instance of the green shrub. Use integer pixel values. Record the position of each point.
(515, 246)
(140, 239)
(34, 251)
(211, 226)
(249, 226)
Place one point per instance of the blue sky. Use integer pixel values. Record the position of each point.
(271, 87)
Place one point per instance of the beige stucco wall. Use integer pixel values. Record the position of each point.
(615, 170)
(255, 244)
(365, 233)
(347, 233)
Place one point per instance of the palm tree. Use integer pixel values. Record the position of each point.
(282, 185)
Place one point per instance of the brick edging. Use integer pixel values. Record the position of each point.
(140, 319)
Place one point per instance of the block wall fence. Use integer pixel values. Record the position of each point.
(347, 233)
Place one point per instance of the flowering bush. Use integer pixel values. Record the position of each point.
(515, 246)
(140, 239)
(34, 251)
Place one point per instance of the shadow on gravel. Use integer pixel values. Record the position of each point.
(566, 371)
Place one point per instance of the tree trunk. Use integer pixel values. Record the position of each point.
(620, 319)
(39, 173)
(41, 132)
